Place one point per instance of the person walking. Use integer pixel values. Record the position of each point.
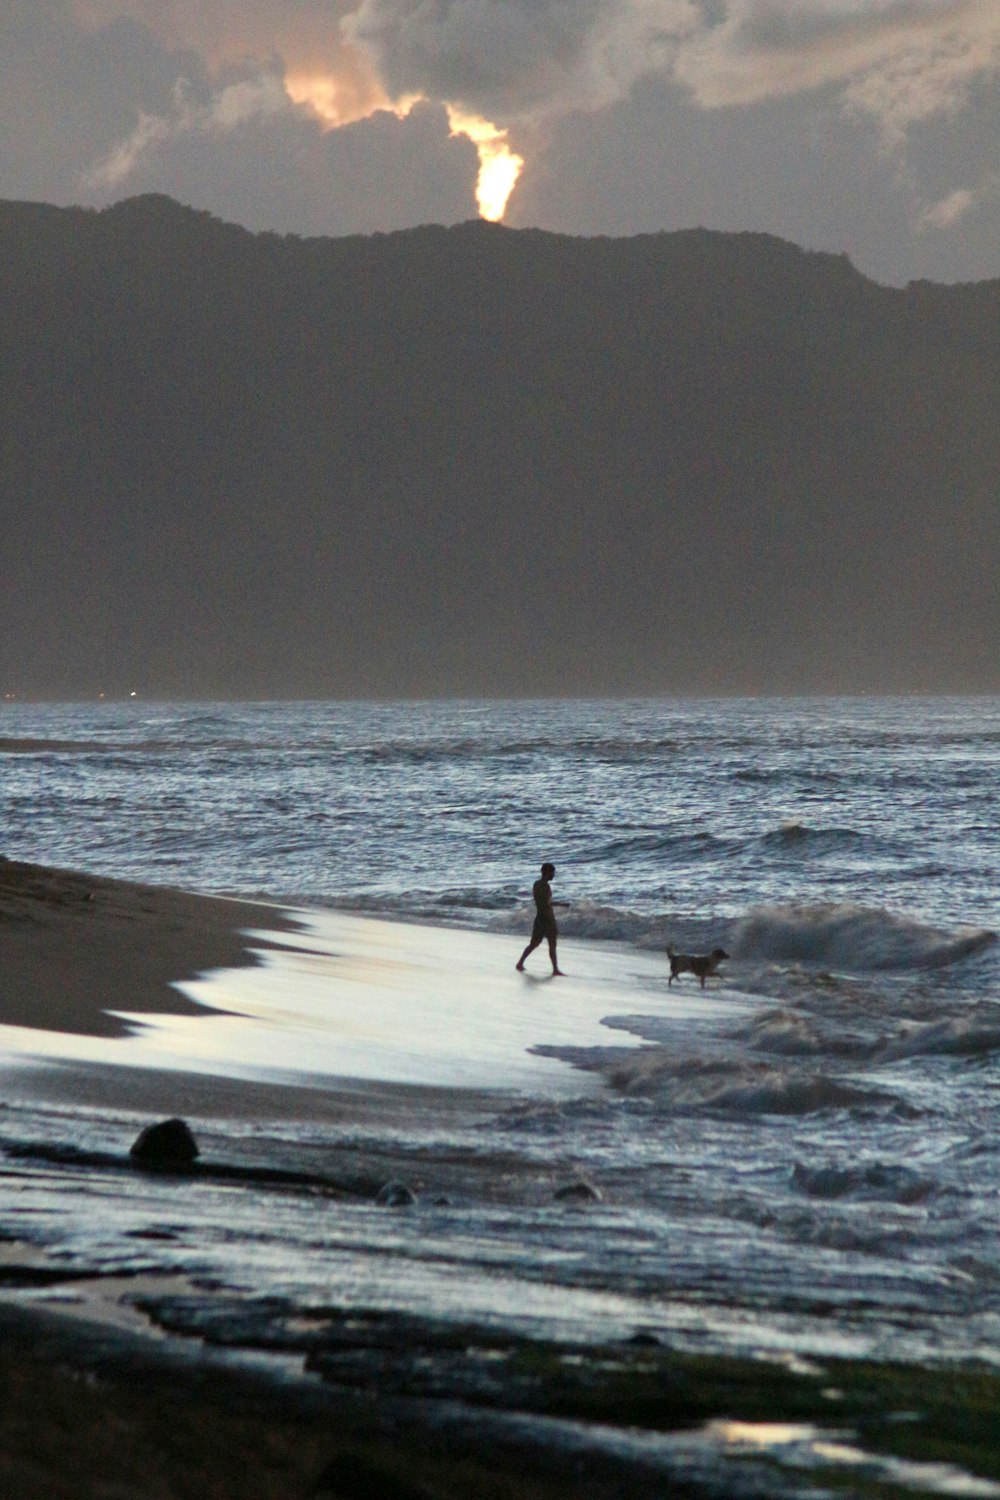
(545, 927)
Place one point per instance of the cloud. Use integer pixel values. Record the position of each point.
(96, 105)
(520, 60)
(69, 94)
(530, 64)
(225, 109)
(958, 206)
(897, 60)
(300, 38)
(526, 62)
(948, 211)
(283, 172)
(930, 70)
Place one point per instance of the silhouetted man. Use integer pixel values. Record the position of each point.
(545, 919)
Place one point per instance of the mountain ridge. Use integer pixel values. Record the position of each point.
(477, 460)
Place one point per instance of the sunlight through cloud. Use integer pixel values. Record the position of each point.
(499, 166)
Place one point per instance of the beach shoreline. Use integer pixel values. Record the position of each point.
(100, 961)
(119, 993)
(95, 1398)
(342, 1289)
(79, 947)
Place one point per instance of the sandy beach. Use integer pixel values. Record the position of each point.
(134, 995)
(78, 947)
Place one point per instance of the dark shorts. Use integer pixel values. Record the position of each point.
(544, 928)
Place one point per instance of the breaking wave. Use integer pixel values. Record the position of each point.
(798, 841)
(687, 1084)
(789, 1033)
(852, 937)
(975, 1033)
(827, 936)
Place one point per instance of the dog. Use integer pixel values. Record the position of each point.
(700, 964)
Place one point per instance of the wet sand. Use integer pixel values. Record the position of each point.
(76, 947)
(91, 967)
(132, 996)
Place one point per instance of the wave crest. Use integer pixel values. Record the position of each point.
(802, 841)
(690, 1084)
(852, 937)
(973, 1034)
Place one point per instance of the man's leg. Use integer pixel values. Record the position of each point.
(530, 949)
(552, 954)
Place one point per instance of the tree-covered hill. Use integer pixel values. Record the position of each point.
(477, 460)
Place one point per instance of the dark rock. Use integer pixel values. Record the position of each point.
(643, 1339)
(168, 1144)
(395, 1195)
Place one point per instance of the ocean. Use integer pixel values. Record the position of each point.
(805, 1159)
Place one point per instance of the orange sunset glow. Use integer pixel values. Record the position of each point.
(499, 166)
(337, 105)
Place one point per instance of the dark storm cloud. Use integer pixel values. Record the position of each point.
(530, 59)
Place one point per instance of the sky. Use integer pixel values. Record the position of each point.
(865, 126)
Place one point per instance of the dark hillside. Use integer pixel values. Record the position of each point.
(481, 460)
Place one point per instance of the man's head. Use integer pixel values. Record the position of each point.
(548, 871)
